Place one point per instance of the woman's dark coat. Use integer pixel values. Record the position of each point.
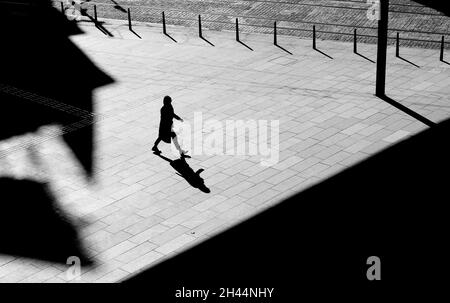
(165, 126)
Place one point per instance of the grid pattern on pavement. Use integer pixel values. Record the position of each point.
(140, 212)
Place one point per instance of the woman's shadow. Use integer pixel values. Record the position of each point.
(184, 170)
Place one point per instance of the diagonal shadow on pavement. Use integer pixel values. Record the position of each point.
(407, 61)
(362, 56)
(407, 111)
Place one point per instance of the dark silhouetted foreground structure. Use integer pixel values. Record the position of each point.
(32, 224)
(40, 63)
(439, 5)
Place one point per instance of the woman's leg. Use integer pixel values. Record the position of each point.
(155, 146)
(177, 145)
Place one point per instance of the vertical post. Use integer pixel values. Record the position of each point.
(397, 46)
(95, 13)
(314, 37)
(355, 42)
(62, 7)
(442, 48)
(164, 23)
(200, 26)
(237, 29)
(382, 48)
(129, 19)
(275, 33)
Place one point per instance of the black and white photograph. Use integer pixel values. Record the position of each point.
(253, 151)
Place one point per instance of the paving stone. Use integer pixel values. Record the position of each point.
(19, 275)
(398, 135)
(180, 218)
(109, 241)
(358, 146)
(42, 276)
(142, 262)
(314, 170)
(116, 250)
(210, 202)
(114, 276)
(285, 174)
(123, 223)
(336, 158)
(149, 233)
(175, 244)
(168, 235)
(135, 252)
(143, 224)
(209, 226)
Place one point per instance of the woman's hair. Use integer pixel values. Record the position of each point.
(167, 100)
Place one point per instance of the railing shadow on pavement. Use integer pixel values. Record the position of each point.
(407, 111)
(362, 56)
(118, 6)
(200, 32)
(397, 51)
(165, 29)
(407, 61)
(238, 39)
(355, 47)
(98, 24)
(315, 44)
(275, 39)
(291, 29)
(130, 26)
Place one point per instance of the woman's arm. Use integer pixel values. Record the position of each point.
(176, 117)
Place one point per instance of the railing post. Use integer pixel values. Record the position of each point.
(355, 42)
(275, 33)
(442, 48)
(164, 23)
(237, 29)
(314, 37)
(129, 19)
(200, 26)
(95, 13)
(397, 48)
(62, 7)
(383, 22)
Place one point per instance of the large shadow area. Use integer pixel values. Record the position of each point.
(441, 6)
(32, 224)
(44, 79)
(393, 206)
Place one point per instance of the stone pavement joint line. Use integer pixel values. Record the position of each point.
(141, 212)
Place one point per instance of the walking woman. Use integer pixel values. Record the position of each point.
(166, 132)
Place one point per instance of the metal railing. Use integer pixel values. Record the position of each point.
(306, 29)
(220, 21)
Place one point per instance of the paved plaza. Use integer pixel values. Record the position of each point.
(139, 211)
